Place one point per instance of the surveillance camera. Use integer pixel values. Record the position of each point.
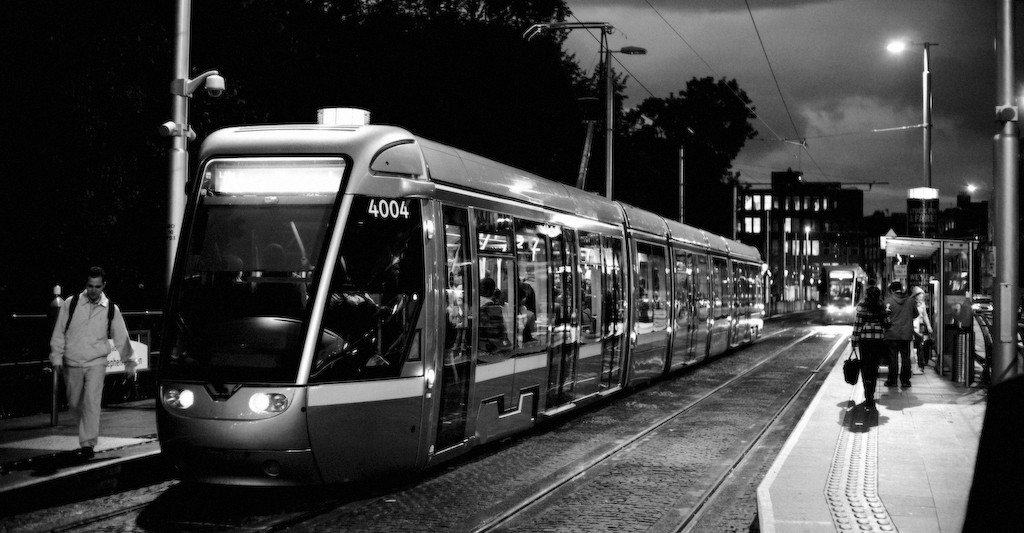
(168, 129)
(214, 85)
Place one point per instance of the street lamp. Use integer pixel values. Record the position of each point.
(178, 128)
(897, 47)
(606, 54)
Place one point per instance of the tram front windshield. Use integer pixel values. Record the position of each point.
(256, 241)
(840, 287)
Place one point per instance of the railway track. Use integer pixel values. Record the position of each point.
(684, 513)
(532, 491)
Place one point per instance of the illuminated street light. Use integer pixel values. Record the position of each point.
(897, 47)
(971, 189)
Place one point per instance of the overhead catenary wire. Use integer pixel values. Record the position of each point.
(713, 71)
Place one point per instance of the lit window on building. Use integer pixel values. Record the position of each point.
(748, 202)
(757, 202)
(788, 225)
(768, 202)
(815, 247)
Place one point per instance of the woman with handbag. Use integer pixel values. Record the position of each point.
(868, 334)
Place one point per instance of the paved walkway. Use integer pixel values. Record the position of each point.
(33, 453)
(908, 467)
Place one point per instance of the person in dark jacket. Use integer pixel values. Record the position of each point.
(868, 334)
(899, 336)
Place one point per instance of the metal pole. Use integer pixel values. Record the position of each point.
(926, 106)
(682, 185)
(609, 118)
(179, 141)
(1007, 152)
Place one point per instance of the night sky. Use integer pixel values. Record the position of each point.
(836, 78)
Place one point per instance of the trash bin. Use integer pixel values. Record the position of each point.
(962, 362)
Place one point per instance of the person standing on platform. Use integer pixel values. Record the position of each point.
(79, 347)
(869, 336)
(922, 326)
(898, 337)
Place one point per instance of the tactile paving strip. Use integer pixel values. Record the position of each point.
(852, 486)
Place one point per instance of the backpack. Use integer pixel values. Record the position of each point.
(74, 305)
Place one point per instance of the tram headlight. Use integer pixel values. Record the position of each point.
(832, 309)
(179, 398)
(263, 402)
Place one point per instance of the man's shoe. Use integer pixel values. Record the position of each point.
(906, 385)
(890, 383)
(85, 453)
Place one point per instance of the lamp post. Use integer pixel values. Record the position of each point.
(807, 259)
(897, 47)
(606, 55)
(178, 128)
(609, 120)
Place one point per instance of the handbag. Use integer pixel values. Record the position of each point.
(851, 368)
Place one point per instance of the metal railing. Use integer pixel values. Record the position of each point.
(29, 386)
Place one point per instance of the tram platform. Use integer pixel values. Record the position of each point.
(36, 457)
(906, 467)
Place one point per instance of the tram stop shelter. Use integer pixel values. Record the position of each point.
(945, 269)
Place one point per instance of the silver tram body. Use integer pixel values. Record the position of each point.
(332, 316)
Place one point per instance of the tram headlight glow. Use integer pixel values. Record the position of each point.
(263, 402)
(179, 398)
(832, 309)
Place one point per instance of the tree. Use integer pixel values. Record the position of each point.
(710, 121)
(87, 86)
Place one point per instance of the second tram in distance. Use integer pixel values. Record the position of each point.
(842, 286)
(352, 301)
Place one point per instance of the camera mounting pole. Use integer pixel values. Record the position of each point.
(178, 128)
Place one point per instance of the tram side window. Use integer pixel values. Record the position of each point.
(614, 306)
(651, 306)
(643, 293)
(722, 283)
(532, 266)
(496, 286)
(683, 277)
(739, 280)
(659, 288)
(494, 327)
(376, 295)
(702, 279)
(592, 288)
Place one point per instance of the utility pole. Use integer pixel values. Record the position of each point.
(1007, 165)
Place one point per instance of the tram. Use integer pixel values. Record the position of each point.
(842, 286)
(351, 301)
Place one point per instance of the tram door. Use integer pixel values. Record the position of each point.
(589, 363)
(613, 314)
(562, 355)
(684, 329)
(722, 310)
(702, 305)
(456, 359)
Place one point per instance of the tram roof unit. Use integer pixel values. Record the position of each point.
(470, 171)
(684, 234)
(638, 219)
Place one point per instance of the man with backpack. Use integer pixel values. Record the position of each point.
(79, 347)
(899, 336)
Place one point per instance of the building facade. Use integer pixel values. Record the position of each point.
(798, 226)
